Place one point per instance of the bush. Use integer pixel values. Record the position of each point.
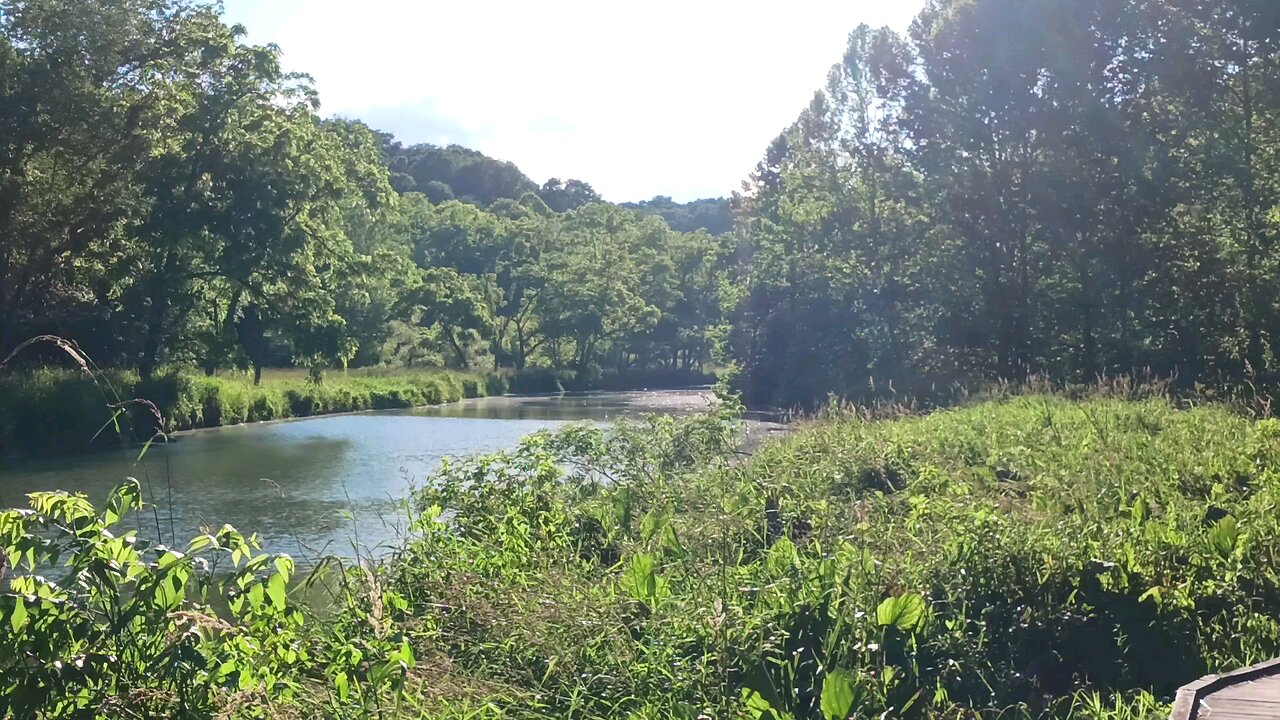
(57, 412)
(538, 381)
(1030, 557)
(136, 631)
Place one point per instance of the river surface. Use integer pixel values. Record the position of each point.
(319, 486)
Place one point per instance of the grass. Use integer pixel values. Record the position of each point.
(196, 401)
(1028, 557)
(1024, 557)
(49, 411)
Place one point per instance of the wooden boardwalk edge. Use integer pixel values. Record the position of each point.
(1186, 704)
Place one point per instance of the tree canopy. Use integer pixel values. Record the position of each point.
(169, 194)
(711, 214)
(1022, 186)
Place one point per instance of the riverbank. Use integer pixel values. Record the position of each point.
(58, 412)
(322, 485)
(1029, 557)
(54, 412)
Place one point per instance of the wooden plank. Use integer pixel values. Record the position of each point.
(1213, 709)
(1251, 693)
(1260, 690)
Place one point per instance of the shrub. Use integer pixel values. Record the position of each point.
(57, 411)
(537, 381)
(135, 631)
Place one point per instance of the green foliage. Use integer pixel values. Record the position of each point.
(960, 204)
(58, 412)
(563, 196)
(641, 581)
(839, 694)
(595, 287)
(173, 197)
(446, 173)
(1027, 557)
(711, 214)
(133, 629)
(904, 612)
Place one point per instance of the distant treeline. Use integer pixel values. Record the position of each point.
(1070, 187)
(458, 173)
(711, 214)
(169, 195)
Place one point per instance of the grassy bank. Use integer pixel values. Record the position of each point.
(53, 411)
(1023, 558)
(1033, 557)
(57, 411)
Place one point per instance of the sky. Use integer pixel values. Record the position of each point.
(662, 97)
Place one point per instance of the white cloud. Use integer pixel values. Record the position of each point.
(662, 97)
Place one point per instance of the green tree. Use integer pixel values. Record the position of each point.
(565, 195)
(251, 192)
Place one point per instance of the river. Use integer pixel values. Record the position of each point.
(319, 486)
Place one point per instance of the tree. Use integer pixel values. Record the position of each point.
(1091, 194)
(251, 193)
(563, 196)
(452, 307)
(84, 98)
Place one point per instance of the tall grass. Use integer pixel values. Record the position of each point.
(59, 411)
(48, 411)
(1024, 557)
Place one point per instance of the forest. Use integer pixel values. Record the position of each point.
(1065, 187)
(959, 203)
(169, 196)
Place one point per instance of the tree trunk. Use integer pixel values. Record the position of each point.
(157, 318)
(457, 347)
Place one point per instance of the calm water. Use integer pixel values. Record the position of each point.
(315, 486)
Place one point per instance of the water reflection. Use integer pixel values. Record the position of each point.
(317, 485)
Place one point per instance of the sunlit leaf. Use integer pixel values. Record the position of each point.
(839, 691)
(906, 612)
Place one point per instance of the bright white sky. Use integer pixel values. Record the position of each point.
(662, 97)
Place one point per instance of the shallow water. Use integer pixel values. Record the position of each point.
(317, 486)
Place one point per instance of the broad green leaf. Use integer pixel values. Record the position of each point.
(19, 616)
(255, 595)
(284, 565)
(766, 697)
(1141, 511)
(200, 542)
(1224, 535)
(839, 691)
(905, 612)
(641, 582)
(342, 685)
(276, 591)
(759, 708)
